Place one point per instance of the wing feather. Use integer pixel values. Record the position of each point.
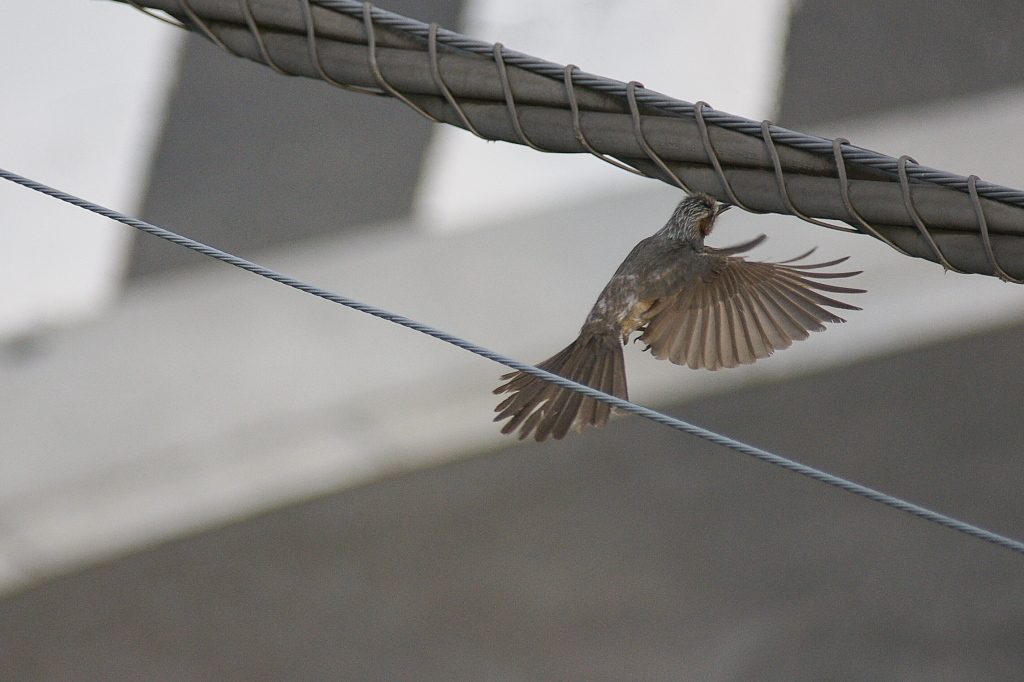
(800, 297)
(695, 354)
(773, 320)
(782, 312)
(711, 334)
(766, 341)
(681, 334)
(795, 307)
(757, 337)
(807, 290)
(726, 341)
(745, 353)
(743, 311)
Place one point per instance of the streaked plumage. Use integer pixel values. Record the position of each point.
(695, 305)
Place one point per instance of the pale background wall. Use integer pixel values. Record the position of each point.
(200, 396)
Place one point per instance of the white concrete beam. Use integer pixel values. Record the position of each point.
(83, 87)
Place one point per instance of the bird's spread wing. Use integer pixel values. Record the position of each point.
(743, 311)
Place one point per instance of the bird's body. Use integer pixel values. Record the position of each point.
(695, 305)
(653, 270)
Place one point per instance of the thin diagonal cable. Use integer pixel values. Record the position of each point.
(647, 413)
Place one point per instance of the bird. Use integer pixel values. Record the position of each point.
(694, 305)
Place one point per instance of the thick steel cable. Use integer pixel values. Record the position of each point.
(647, 413)
(502, 94)
(652, 98)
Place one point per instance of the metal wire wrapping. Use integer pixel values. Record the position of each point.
(314, 54)
(250, 21)
(658, 417)
(844, 188)
(510, 100)
(638, 132)
(194, 20)
(972, 186)
(908, 201)
(698, 114)
(435, 71)
(780, 179)
(175, 24)
(917, 210)
(371, 52)
(570, 93)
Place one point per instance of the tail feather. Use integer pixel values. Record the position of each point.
(577, 409)
(545, 410)
(527, 390)
(591, 411)
(603, 411)
(565, 406)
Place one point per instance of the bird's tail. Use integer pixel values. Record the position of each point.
(545, 409)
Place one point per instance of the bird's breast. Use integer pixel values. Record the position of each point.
(636, 317)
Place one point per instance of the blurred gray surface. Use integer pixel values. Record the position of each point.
(632, 553)
(850, 59)
(249, 159)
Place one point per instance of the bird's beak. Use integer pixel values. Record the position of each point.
(722, 208)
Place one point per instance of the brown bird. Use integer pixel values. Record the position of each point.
(695, 305)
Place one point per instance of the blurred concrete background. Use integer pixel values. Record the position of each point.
(255, 180)
(205, 477)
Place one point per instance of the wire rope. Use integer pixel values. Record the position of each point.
(813, 143)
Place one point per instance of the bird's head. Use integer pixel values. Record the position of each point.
(694, 218)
